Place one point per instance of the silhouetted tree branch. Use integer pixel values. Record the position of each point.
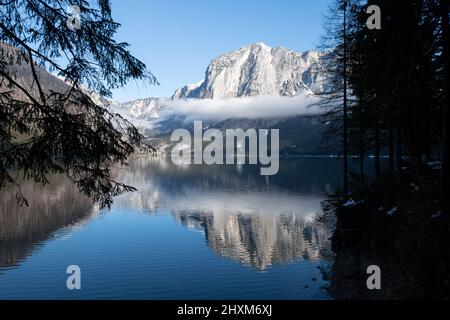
(52, 126)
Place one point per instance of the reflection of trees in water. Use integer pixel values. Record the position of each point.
(260, 240)
(305, 175)
(52, 207)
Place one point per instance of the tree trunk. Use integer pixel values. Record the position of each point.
(398, 154)
(377, 150)
(391, 149)
(345, 107)
(446, 134)
(361, 153)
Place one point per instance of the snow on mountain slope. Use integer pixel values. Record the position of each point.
(144, 114)
(253, 75)
(149, 108)
(258, 70)
(189, 91)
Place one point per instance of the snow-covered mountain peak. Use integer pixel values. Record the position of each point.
(183, 92)
(259, 44)
(254, 72)
(257, 70)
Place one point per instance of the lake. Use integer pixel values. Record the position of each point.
(189, 232)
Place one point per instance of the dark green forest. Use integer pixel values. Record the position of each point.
(389, 98)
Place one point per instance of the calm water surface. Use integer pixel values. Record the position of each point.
(194, 232)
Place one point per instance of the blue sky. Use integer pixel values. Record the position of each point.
(177, 39)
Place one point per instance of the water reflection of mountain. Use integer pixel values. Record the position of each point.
(243, 216)
(254, 220)
(51, 207)
(259, 240)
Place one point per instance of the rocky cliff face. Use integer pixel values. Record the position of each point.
(258, 70)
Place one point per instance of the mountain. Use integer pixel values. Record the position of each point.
(19, 68)
(244, 79)
(240, 77)
(252, 71)
(258, 70)
(144, 108)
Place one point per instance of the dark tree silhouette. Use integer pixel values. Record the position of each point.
(398, 105)
(389, 86)
(46, 130)
(445, 40)
(345, 93)
(335, 96)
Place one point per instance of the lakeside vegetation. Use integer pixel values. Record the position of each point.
(391, 93)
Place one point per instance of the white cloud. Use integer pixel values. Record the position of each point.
(249, 107)
(261, 107)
